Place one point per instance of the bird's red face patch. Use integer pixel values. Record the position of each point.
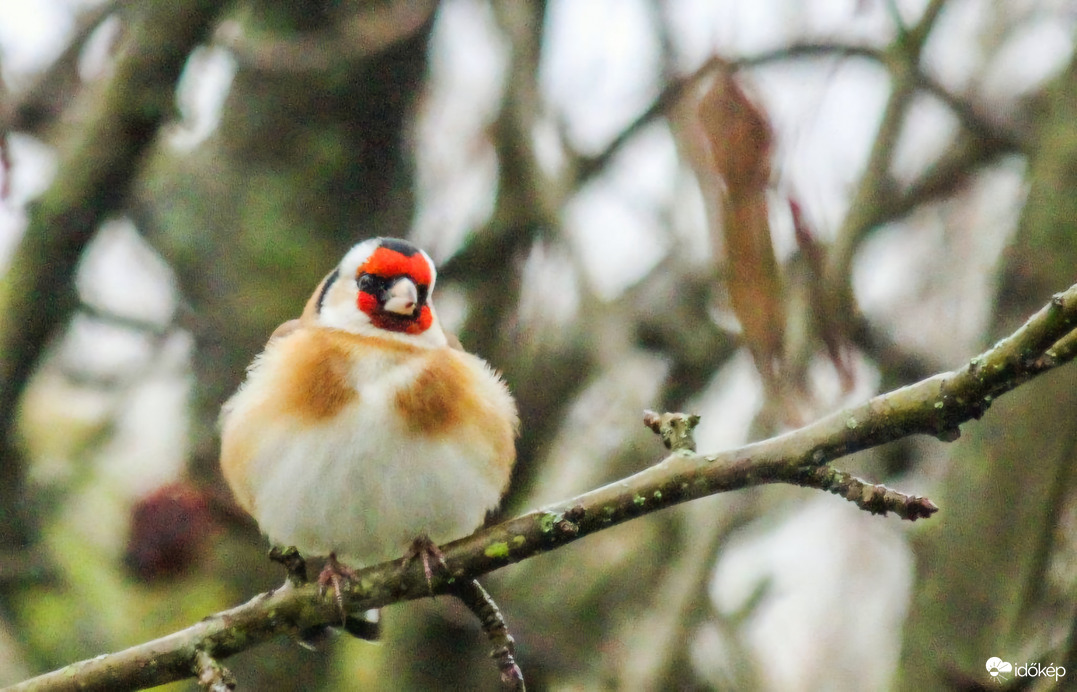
(386, 264)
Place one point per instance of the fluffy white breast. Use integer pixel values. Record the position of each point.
(363, 483)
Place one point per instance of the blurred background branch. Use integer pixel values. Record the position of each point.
(38, 294)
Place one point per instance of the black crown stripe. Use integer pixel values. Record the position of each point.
(325, 289)
(397, 245)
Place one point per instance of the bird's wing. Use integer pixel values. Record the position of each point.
(286, 328)
(453, 341)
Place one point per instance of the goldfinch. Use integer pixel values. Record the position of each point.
(362, 425)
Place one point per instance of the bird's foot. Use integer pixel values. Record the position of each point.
(340, 576)
(427, 551)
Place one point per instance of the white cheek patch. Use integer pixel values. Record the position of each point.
(340, 306)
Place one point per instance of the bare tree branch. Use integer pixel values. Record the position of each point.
(589, 167)
(969, 113)
(38, 107)
(38, 292)
(357, 35)
(935, 406)
(40, 286)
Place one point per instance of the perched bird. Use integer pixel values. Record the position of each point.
(363, 425)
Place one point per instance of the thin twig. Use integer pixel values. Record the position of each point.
(212, 676)
(870, 497)
(589, 167)
(479, 602)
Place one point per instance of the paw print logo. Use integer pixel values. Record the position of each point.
(996, 667)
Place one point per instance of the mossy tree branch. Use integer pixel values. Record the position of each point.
(934, 406)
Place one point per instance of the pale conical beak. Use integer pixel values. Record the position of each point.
(403, 297)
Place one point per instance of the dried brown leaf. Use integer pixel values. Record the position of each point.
(739, 138)
(739, 135)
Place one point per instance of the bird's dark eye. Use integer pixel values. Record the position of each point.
(423, 292)
(368, 283)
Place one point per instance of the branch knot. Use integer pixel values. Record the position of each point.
(675, 429)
